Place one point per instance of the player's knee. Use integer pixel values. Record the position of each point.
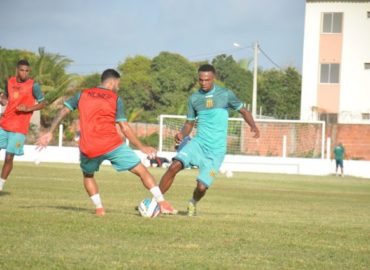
(9, 158)
(176, 166)
(202, 188)
(88, 175)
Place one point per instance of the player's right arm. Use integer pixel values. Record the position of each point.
(44, 139)
(185, 131)
(189, 124)
(4, 95)
(70, 105)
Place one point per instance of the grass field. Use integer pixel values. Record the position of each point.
(251, 221)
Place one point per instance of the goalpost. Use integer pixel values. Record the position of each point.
(278, 138)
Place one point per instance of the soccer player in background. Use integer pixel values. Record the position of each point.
(100, 109)
(209, 108)
(339, 156)
(22, 96)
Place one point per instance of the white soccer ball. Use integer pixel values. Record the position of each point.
(222, 170)
(229, 174)
(149, 208)
(37, 161)
(165, 165)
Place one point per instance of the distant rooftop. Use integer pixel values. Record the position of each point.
(347, 1)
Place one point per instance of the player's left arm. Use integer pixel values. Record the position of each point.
(37, 94)
(128, 133)
(236, 104)
(248, 118)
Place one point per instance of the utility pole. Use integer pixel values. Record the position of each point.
(254, 93)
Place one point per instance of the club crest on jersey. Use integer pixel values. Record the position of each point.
(212, 173)
(209, 103)
(16, 95)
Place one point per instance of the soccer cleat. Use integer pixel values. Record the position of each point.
(167, 209)
(100, 212)
(192, 209)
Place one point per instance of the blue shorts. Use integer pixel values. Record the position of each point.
(339, 163)
(12, 142)
(122, 158)
(193, 154)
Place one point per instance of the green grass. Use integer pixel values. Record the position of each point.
(251, 221)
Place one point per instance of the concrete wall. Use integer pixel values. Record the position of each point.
(235, 163)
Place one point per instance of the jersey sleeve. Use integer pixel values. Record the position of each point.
(191, 114)
(120, 115)
(233, 101)
(72, 102)
(37, 94)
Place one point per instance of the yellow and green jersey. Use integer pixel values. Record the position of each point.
(210, 110)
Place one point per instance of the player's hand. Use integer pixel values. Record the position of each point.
(150, 151)
(22, 108)
(256, 132)
(3, 99)
(179, 137)
(44, 140)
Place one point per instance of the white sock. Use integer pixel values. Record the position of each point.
(193, 201)
(96, 200)
(157, 194)
(2, 183)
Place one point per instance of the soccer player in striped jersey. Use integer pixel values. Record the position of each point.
(100, 108)
(209, 108)
(22, 97)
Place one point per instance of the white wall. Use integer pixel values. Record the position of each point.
(235, 163)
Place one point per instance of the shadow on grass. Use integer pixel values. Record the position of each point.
(59, 207)
(4, 193)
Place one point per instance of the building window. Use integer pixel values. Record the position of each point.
(332, 22)
(367, 65)
(366, 116)
(329, 73)
(368, 14)
(329, 118)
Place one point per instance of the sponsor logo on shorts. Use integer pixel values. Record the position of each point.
(212, 173)
(18, 145)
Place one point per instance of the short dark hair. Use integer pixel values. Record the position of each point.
(109, 74)
(23, 62)
(207, 68)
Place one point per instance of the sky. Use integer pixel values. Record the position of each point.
(101, 34)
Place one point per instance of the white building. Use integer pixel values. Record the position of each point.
(336, 61)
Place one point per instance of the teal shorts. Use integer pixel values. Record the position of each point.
(193, 154)
(12, 142)
(122, 158)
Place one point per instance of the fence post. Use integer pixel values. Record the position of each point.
(60, 135)
(284, 146)
(160, 144)
(328, 148)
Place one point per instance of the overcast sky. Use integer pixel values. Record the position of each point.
(100, 34)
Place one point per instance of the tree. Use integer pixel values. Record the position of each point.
(174, 77)
(234, 76)
(136, 88)
(279, 93)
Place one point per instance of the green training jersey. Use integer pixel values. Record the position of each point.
(210, 110)
(339, 152)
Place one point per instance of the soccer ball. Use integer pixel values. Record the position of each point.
(229, 174)
(149, 208)
(37, 161)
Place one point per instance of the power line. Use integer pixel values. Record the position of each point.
(269, 58)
